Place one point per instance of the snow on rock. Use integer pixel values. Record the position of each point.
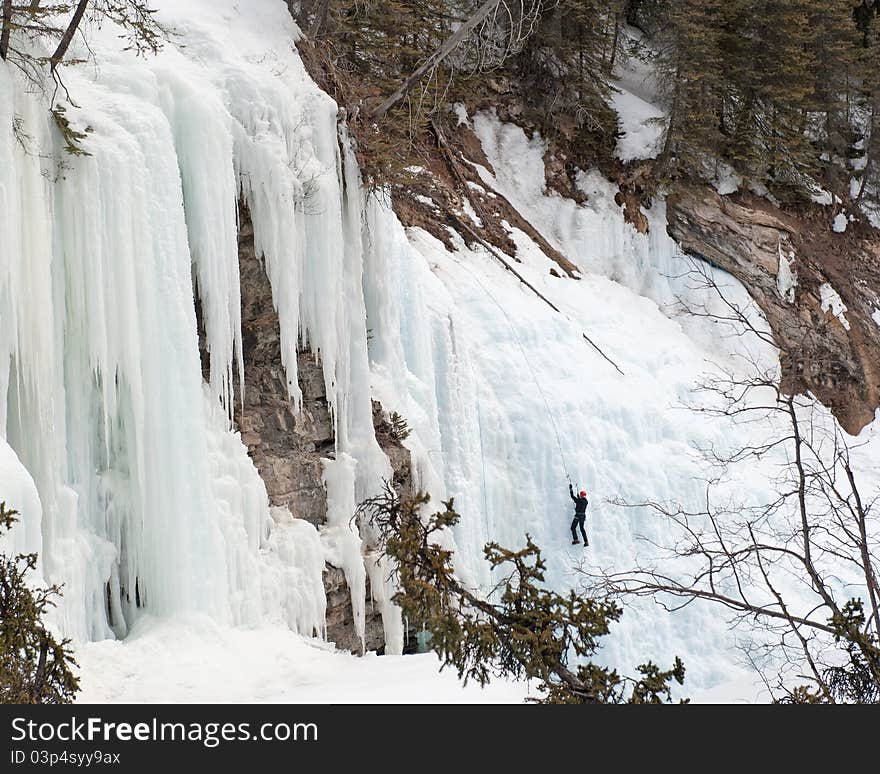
(427, 201)
(726, 181)
(855, 187)
(786, 279)
(469, 210)
(831, 301)
(641, 125)
(840, 223)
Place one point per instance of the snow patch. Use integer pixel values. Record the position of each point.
(726, 181)
(822, 196)
(461, 114)
(855, 187)
(641, 124)
(426, 200)
(184, 659)
(471, 212)
(829, 300)
(786, 279)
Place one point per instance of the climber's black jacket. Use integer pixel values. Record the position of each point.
(580, 503)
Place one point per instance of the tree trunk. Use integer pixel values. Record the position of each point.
(38, 685)
(69, 33)
(615, 43)
(873, 143)
(7, 28)
(438, 56)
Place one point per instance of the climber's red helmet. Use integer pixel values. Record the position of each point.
(583, 493)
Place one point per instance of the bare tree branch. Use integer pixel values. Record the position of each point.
(67, 38)
(782, 566)
(438, 56)
(7, 29)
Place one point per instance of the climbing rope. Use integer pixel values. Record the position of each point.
(480, 430)
(494, 251)
(531, 370)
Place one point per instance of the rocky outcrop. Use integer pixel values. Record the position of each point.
(437, 198)
(839, 362)
(287, 448)
(340, 616)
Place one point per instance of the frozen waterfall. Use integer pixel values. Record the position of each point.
(133, 484)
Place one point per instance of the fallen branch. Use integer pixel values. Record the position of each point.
(500, 255)
(438, 56)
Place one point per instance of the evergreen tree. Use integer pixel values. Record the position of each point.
(35, 668)
(768, 86)
(692, 59)
(563, 73)
(783, 55)
(522, 630)
(840, 78)
(869, 68)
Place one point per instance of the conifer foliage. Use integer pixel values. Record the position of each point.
(35, 668)
(28, 32)
(53, 26)
(778, 89)
(784, 92)
(522, 630)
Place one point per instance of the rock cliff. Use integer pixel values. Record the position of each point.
(833, 355)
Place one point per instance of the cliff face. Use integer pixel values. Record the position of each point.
(832, 355)
(287, 449)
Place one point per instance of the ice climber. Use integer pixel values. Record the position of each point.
(580, 515)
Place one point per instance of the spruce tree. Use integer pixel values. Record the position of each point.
(768, 86)
(35, 668)
(563, 73)
(522, 630)
(838, 81)
(693, 72)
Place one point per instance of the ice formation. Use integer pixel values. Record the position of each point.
(132, 483)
